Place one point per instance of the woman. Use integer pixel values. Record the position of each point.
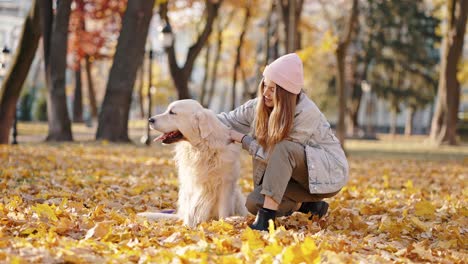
(297, 160)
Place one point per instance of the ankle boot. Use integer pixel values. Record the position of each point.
(261, 221)
(319, 208)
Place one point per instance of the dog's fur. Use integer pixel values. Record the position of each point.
(207, 162)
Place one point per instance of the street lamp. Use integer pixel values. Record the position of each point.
(150, 89)
(166, 36)
(4, 59)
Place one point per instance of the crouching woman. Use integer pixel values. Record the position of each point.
(297, 160)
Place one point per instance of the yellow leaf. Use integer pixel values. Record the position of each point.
(251, 241)
(15, 201)
(310, 251)
(289, 254)
(273, 248)
(309, 248)
(424, 208)
(271, 227)
(45, 210)
(230, 260)
(423, 253)
(63, 203)
(447, 244)
(419, 224)
(252, 238)
(28, 231)
(409, 185)
(100, 230)
(16, 260)
(385, 181)
(305, 252)
(64, 225)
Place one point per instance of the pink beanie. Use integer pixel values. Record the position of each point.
(287, 72)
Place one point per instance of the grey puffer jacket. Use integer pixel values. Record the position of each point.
(326, 161)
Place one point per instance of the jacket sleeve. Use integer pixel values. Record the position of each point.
(241, 118)
(255, 149)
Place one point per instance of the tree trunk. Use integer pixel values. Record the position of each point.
(35, 81)
(444, 121)
(291, 11)
(204, 87)
(77, 98)
(247, 94)
(269, 33)
(47, 20)
(340, 60)
(214, 69)
(353, 104)
(181, 75)
(219, 46)
(237, 63)
(409, 121)
(91, 91)
(141, 85)
(18, 71)
(113, 119)
(57, 112)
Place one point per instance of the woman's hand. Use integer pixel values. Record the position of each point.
(236, 136)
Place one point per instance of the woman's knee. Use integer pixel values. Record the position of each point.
(289, 151)
(288, 147)
(254, 200)
(251, 206)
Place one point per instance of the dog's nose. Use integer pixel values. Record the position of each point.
(151, 120)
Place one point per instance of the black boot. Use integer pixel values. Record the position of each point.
(261, 221)
(315, 208)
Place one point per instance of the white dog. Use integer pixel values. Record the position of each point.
(207, 162)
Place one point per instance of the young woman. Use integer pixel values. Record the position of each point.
(297, 160)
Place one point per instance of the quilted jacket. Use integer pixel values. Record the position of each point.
(326, 161)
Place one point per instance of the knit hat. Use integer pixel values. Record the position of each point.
(287, 72)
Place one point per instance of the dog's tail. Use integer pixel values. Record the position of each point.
(157, 216)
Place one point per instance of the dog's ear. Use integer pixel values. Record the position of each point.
(205, 125)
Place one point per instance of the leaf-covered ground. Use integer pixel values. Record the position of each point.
(77, 203)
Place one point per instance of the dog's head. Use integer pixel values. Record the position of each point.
(183, 120)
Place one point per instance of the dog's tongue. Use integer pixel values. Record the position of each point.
(161, 137)
(166, 135)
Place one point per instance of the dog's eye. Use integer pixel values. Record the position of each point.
(171, 113)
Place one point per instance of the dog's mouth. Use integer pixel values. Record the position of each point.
(171, 137)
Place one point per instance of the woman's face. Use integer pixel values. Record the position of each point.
(269, 88)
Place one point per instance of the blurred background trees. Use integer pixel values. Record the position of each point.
(372, 66)
(113, 118)
(445, 119)
(17, 72)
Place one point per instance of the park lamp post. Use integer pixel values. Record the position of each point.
(149, 48)
(4, 59)
(165, 36)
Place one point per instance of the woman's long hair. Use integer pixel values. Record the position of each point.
(273, 125)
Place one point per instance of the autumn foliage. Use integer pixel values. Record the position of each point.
(77, 203)
(93, 29)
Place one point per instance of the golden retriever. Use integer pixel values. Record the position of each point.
(207, 162)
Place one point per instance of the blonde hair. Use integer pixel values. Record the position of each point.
(273, 125)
